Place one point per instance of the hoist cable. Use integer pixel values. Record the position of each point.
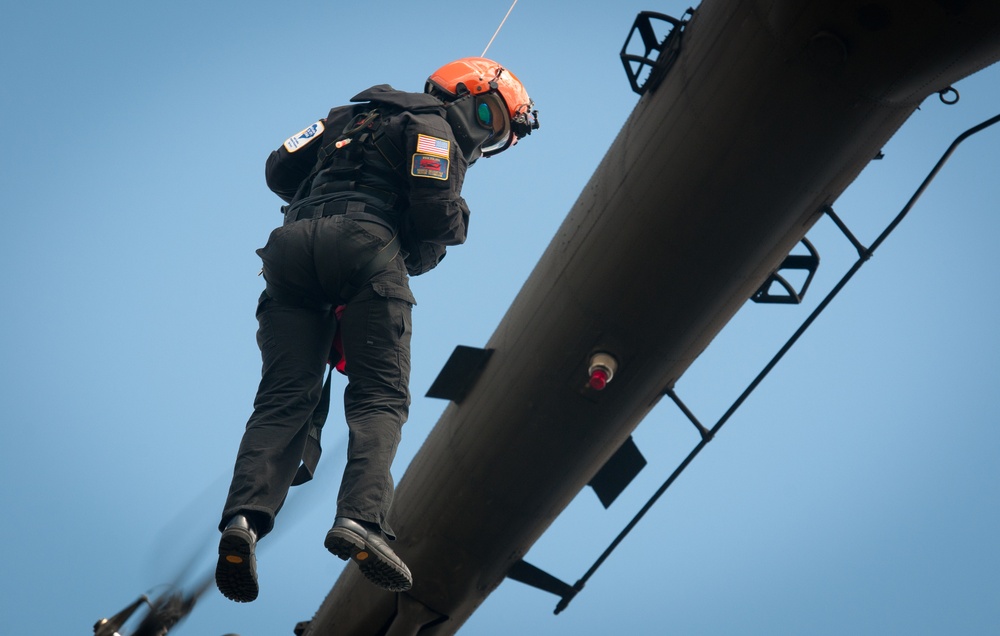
(498, 29)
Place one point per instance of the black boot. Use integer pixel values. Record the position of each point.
(350, 539)
(236, 573)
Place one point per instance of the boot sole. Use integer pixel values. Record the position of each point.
(236, 571)
(376, 566)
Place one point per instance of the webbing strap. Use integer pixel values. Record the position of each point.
(313, 449)
(372, 267)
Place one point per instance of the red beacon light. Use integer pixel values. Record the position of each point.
(602, 369)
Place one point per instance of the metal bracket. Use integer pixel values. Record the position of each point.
(808, 262)
(618, 472)
(460, 373)
(524, 572)
(666, 50)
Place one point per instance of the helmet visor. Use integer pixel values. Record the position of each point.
(491, 113)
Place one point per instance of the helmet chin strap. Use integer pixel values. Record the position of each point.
(461, 114)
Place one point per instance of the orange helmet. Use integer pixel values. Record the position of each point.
(501, 103)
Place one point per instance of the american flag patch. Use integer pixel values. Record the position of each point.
(433, 146)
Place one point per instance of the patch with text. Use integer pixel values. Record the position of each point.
(302, 139)
(429, 167)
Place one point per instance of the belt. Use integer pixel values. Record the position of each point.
(351, 209)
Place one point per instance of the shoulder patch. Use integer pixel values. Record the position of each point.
(302, 138)
(429, 166)
(433, 146)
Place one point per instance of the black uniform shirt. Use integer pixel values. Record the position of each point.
(427, 179)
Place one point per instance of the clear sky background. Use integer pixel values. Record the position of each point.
(855, 493)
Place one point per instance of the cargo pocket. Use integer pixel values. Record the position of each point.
(390, 321)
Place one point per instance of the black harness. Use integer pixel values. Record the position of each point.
(362, 151)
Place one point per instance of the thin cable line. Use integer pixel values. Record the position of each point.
(498, 29)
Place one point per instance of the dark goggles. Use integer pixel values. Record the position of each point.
(491, 113)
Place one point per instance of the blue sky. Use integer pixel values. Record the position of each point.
(855, 492)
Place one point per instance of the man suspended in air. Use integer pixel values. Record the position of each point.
(373, 194)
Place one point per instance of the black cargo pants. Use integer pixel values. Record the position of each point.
(306, 264)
